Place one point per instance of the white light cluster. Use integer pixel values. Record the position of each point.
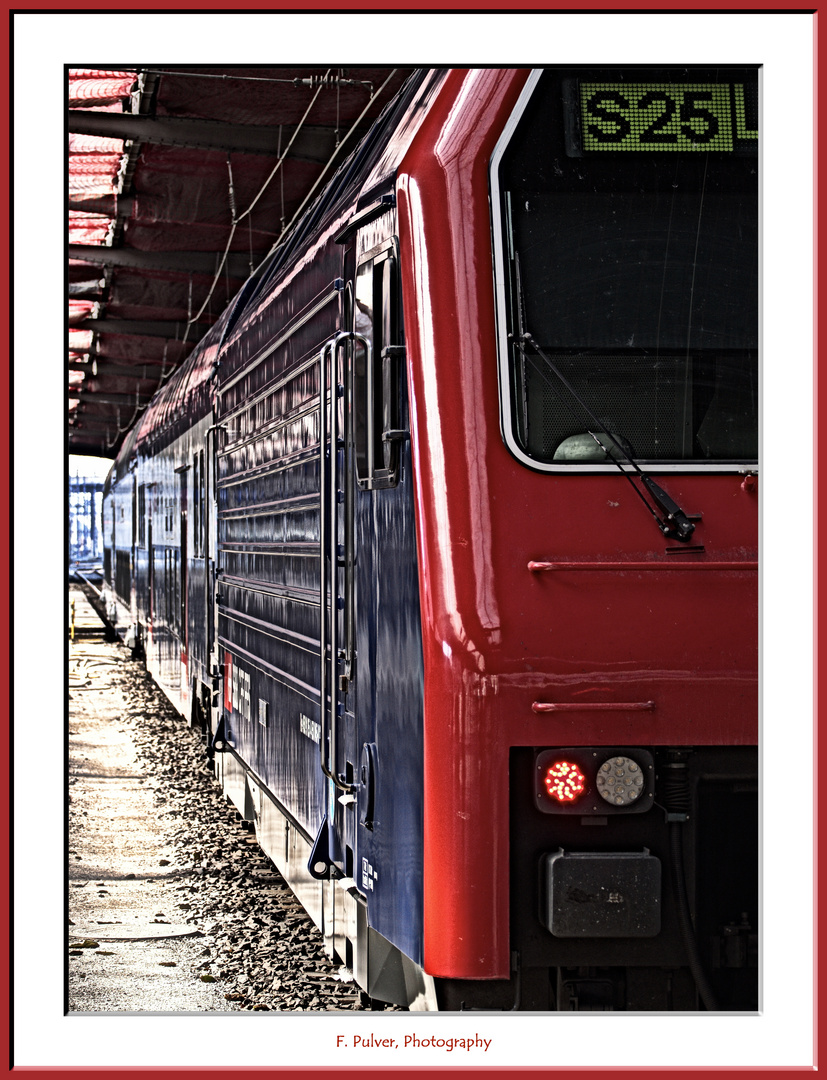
(620, 781)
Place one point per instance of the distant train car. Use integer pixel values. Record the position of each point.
(447, 536)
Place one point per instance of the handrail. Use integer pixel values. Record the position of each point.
(323, 574)
(332, 561)
(210, 608)
(329, 548)
(599, 706)
(683, 564)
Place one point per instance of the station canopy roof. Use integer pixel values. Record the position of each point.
(181, 182)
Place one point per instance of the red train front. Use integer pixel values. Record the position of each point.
(584, 430)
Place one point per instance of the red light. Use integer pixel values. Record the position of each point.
(564, 781)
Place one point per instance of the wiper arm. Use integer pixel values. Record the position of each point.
(671, 521)
(676, 524)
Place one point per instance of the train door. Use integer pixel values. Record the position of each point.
(338, 558)
(150, 615)
(208, 459)
(141, 569)
(183, 516)
(133, 600)
(114, 559)
(368, 569)
(375, 393)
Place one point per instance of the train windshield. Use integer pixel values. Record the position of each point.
(626, 250)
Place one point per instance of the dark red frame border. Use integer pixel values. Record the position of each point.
(8, 598)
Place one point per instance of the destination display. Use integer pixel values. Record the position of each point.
(683, 117)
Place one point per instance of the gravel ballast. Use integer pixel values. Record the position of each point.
(170, 896)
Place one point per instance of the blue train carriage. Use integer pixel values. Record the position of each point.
(158, 559)
(300, 736)
(118, 540)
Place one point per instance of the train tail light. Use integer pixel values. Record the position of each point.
(589, 781)
(564, 782)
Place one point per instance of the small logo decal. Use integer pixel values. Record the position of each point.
(369, 876)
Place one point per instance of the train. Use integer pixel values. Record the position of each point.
(446, 538)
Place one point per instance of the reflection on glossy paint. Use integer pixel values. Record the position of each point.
(458, 154)
(431, 458)
(462, 529)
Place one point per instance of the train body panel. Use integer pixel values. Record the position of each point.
(620, 618)
(158, 494)
(361, 561)
(387, 741)
(269, 482)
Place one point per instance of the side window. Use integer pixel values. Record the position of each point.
(198, 503)
(142, 515)
(376, 371)
(202, 501)
(134, 511)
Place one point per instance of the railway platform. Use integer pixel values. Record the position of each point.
(172, 905)
(84, 621)
(128, 951)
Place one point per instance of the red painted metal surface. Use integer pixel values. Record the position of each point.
(496, 638)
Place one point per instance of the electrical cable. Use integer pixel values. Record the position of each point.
(235, 219)
(677, 800)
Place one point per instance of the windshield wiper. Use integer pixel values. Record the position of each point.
(671, 520)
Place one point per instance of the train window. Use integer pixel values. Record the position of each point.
(141, 515)
(626, 251)
(376, 371)
(198, 504)
(195, 501)
(202, 501)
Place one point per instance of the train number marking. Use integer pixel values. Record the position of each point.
(310, 728)
(236, 687)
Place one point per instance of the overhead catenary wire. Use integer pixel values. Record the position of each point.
(319, 83)
(139, 408)
(119, 430)
(236, 218)
(285, 228)
(283, 217)
(312, 80)
(325, 170)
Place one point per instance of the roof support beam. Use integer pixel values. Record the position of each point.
(89, 289)
(86, 416)
(312, 143)
(140, 372)
(195, 262)
(87, 420)
(103, 204)
(85, 446)
(144, 328)
(129, 400)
